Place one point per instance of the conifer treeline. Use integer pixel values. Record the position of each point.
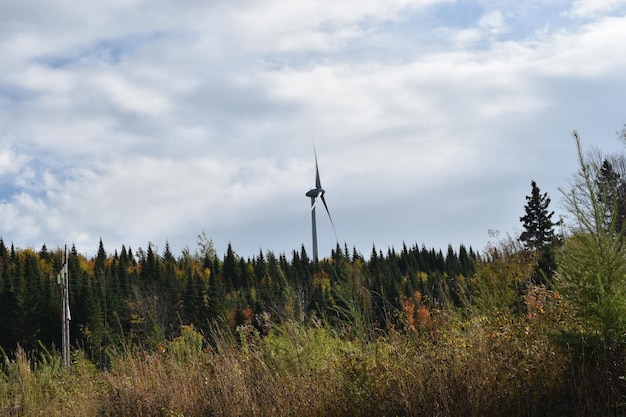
(144, 298)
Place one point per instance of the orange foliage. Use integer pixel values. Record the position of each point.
(248, 315)
(415, 319)
(409, 310)
(423, 314)
(543, 303)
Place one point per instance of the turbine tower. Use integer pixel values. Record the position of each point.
(316, 194)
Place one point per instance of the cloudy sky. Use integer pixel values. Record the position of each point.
(140, 121)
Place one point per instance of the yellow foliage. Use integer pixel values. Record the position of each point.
(501, 278)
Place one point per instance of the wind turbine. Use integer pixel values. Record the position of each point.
(316, 194)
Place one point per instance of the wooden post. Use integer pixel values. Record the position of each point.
(63, 280)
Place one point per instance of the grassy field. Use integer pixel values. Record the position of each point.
(447, 365)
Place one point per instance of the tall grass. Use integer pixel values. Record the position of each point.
(41, 386)
(480, 366)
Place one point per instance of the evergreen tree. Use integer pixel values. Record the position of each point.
(232, 272)
(538, 234)
(194, 292)
(43, 253)
(131, 257)
(122, 266)
(150, 266)
(167, 253)
(304, 258)
(467, 262)
(612, 194)
(260, 269)
(453, 266)
(168, 266)
(538, 226)
(100, 259)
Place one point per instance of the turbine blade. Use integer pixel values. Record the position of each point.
(318, 183)
(319, 196)
(329, 216)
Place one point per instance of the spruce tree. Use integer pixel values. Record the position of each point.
(538, 234)
(612, 193)
(231, 269)
(538, 226)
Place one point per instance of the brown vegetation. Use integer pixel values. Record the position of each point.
(452, 366)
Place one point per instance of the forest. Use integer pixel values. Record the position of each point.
(532, 325)
(145, 298)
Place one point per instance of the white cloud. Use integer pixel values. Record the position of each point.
(148, 121)
(484, 32)
(11, 162)
(592, 8)
(132, 97)
(493, 22)
(23, 217)
(591, 51)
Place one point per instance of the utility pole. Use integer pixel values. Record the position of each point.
(63, 280)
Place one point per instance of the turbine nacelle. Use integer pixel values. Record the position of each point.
(314, 193)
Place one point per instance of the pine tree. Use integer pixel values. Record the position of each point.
(231, 269)
(167, 253)
(168, 266)
(150, 266)
(538, 226)
(612, 194)
(538, 234)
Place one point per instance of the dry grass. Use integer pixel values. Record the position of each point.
(473, 367)
(42, 387)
